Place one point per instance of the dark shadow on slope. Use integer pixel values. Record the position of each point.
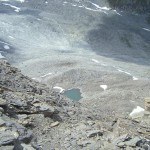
(122, 38)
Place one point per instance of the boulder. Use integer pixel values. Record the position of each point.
(46, 109)
(147, 104)
(7, 148)
(2, 122)
(27, 147)
(94, 133)
(3, 102)
(120, 139)
(54, 124)
(8, 137)
(132, 142)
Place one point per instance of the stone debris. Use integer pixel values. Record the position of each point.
(94, 133)
(32, 116)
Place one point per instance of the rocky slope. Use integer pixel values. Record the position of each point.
(34, 117)
(20, 99)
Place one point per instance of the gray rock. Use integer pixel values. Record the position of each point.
(23, 116)
(26, 136)
(94, 133)
(144, 143)
(1, 110)
(121, 144)
(84, 143)
(133, 142)
(147, 104)
(2, 122)
(27, 147)
(17, 102)
(7, 148)
(121, 138)
(8, 137)
(46, 109)
(3, 102)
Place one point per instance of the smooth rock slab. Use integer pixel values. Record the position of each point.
(133, 142)
(94, 133)
(27, 147)
(8, 137)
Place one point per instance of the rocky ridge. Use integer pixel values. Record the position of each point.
(32, 116)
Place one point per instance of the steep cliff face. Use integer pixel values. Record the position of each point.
(142, 6)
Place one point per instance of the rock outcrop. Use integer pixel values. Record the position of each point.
(20, 99)
(32, 116)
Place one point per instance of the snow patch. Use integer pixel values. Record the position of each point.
(135, 78)
(6, 47)
(146, 29)
(17, 9)
(137, 112)
(97, 10)
(105, 8)
(97, 7)
(94, 60)
(117, 12)
(104, 87)
(74, 5)
(11, 37)
(124, 72)
(46, 75)
(60, 89)
(22, 1)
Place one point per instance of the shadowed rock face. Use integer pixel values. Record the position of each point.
(142, 6)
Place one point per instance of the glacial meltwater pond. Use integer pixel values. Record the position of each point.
(73, 94)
